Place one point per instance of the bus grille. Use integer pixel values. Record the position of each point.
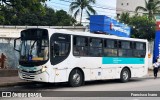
(31, 72)
(28, 76)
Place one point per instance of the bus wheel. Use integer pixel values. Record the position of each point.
(75, 78)
(125, 75)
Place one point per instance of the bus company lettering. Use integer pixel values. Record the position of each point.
(119, 28)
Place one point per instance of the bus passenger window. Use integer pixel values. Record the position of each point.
(139, 49)
(110, 48)
(95, 48)
(80, 47)
(125, 49)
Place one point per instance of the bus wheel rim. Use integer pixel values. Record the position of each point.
(76, 78)
(125, 75)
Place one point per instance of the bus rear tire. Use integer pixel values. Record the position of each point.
(125, 75)
(76, 78)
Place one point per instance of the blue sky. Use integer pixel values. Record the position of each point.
(107, 7)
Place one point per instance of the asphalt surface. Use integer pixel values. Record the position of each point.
(93, 90)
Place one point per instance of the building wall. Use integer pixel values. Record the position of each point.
(11, 56)
(128, 6)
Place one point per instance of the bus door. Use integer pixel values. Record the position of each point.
(60, 49)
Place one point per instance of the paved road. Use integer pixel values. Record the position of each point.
(143, 84)
(135, 86)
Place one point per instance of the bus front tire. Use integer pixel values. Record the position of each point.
(125, 75)
(75, 78)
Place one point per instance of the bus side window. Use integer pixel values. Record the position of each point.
(80, 46)
(139, 49)
(95, 48)
(125, 49)
(110, 47)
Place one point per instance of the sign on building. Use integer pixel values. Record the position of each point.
(101, 23)
(157, 42)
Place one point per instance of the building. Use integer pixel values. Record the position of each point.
(128, 6)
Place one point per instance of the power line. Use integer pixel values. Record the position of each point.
(108, 13)
(68, 6)
(115, 9)
(58, 8)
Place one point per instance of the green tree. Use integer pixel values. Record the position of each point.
(64, 19)
(80, 5)
(142, 27)
(124, 18)
(49, 18)
(7, 2)
(151, 7)
(33, 12)
(14, 10)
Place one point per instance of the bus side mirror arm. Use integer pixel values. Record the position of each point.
(15, 40)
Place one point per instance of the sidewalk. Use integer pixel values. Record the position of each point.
(11, 81)
(9, 77)
(15, 80)
(150, 74)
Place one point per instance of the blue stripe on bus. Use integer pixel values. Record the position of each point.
(120, 60)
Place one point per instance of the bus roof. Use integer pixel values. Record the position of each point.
(51, 31)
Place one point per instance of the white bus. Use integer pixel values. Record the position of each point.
(51, 55)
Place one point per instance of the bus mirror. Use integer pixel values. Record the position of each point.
(17, 44)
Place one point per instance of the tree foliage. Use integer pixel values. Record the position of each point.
(141, 27)
(78, 6)
(152, 7)
(33, 12)
(124, 17)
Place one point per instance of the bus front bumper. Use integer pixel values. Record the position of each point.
(42, 77)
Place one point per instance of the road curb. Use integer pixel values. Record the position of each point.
(8, 72)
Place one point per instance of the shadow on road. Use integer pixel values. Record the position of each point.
(41, 86)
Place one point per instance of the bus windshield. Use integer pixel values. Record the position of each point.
(34, 47)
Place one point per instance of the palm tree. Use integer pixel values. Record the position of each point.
(80, 5)
(151, 8)
(7, 2)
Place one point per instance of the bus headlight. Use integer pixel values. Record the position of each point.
(44, 68)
